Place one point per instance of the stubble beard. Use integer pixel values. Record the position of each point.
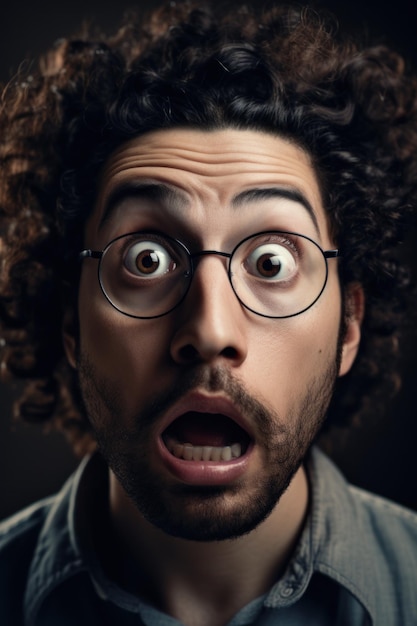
(203, 513)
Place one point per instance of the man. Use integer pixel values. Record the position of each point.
(205, 210)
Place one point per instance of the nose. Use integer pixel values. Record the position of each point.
(211, 321)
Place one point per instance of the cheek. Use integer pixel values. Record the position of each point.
(289, 354)
(127, 352)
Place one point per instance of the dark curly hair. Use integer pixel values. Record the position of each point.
(287, 72)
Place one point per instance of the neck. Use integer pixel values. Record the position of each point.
(184, 577)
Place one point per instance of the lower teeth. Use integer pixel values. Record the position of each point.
(188, 452)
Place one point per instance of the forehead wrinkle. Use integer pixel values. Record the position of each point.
(165, 151)
(145, 190)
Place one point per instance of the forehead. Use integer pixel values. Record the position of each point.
(210, 171)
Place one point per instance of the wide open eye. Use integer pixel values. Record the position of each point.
(272, 261)
(148, 259)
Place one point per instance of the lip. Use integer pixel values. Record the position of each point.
(204, 473)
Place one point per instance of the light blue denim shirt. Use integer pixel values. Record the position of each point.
(355, 564)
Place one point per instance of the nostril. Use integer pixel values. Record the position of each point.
(230, 353)
(188, 353)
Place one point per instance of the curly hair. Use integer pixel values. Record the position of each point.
(284, 71)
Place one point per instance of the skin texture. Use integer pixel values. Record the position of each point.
(276, 376)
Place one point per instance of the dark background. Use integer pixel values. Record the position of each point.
(384, 458)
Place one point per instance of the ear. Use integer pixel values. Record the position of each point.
(70, 335)
(354, 312)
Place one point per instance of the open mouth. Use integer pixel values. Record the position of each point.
(214, 437)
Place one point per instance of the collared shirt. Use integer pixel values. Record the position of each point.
(355, 563)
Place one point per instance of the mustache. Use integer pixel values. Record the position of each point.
(213, 380)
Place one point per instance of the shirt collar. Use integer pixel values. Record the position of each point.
(57, 556)
(330, 543)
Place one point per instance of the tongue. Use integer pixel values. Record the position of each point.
(206, 429)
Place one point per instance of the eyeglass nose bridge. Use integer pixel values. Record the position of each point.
(203, 253)
(194, 255)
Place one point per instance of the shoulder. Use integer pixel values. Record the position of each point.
(366, 517)
(389, 544)
(366, 543)
(18, 540)
(382, 530)
(391, 528)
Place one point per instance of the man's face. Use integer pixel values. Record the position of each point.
(210, 373)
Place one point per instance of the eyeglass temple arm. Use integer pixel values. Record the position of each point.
(91, 254)
(331, 254)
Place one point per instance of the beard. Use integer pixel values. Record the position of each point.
(206, 513)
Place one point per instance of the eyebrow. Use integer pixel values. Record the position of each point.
(161, 192)
(288, 193)
(146, 190)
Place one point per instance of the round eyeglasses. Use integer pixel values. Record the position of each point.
(273, 274)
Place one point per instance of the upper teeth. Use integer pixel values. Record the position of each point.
(205, 453)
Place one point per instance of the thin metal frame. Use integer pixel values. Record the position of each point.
(98, 254)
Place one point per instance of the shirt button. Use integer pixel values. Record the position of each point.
(287, 592)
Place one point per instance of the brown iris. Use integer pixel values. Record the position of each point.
(147, 261)
(268, 265)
